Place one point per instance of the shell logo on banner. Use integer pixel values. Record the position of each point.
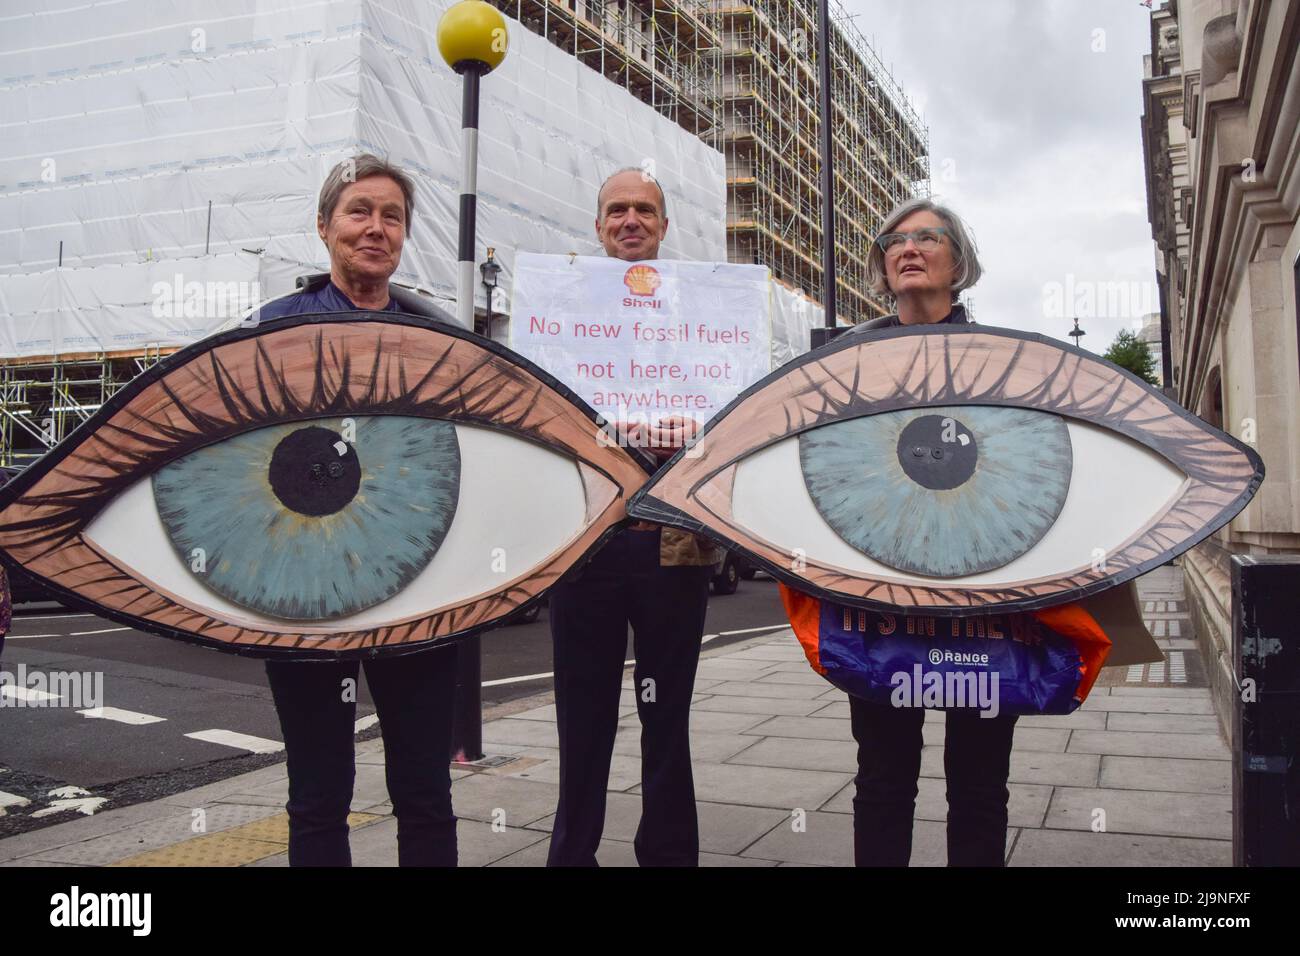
(642, 280)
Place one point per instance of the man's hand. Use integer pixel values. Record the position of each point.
(665, 439)
(662, 441)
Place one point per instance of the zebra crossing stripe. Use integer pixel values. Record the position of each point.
(12, 800)
(121, 716)
(29, 694)
(228, 738)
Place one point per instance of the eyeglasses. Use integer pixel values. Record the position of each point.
(926, 240)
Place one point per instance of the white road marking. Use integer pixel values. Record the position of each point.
(121, 716)
(364, 722)
(47, 617)
(1177, 667)
(28, 637)
(521, 678)
(1135, 673)
(68, 791)
(704, 640)
(83, 805)
(12, 800)
(228, 738)
(26, 693)
(748, 630)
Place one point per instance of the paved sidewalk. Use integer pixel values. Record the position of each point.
(774, 762)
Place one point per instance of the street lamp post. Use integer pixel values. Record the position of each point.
(472, 39)
(489, 270)
(1076, 333)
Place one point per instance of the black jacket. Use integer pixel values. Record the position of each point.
(956, 317)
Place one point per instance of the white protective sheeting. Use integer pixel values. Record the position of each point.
(122, 120)
(125, 306)
(794, 316)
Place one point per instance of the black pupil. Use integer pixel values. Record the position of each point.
(309, 473)
(932, 452)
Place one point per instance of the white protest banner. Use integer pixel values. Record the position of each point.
(640, 341)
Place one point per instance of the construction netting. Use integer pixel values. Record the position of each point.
(162, 160)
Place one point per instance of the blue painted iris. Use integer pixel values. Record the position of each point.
(298, 523)
(940, 491)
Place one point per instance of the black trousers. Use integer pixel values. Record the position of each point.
(976, 763)
(413, 697)
(623, 585)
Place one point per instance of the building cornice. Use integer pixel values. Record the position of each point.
(1236, 139)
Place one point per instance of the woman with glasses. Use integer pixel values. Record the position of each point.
(923, 258)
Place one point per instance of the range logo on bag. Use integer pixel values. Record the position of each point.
(957, 657)
(642, 280)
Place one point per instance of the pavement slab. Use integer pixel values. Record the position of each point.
(1198, 815)
(1068, 848)
(773, 763)
(1167, 774)
(1145, 744)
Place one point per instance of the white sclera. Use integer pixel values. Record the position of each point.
(1117, 488)
(514, 495)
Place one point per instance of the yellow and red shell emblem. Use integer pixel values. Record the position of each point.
(642, 280)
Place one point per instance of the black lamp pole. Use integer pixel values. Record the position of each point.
(472, 38)
(828, 169)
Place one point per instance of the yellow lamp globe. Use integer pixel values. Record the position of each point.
(472, 32)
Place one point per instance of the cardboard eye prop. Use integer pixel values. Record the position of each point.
(326, 486)
(952, 470)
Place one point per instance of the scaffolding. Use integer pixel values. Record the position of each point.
(665, 53)
(42, 400)
(743, 77)
(740, 75)
(771, 130)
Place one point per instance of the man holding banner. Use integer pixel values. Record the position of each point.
(655, 579)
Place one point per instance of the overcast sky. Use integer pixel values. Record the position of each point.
(1034, 109)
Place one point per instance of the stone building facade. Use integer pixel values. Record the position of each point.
(1221, 135)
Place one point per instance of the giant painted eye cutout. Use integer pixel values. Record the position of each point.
(947, 469)
(324, 486)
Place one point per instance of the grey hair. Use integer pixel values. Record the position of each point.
(663, 199)
(353, 171)
(965, 255)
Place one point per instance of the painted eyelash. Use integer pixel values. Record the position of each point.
(331, 394)
(823, 388)
(1060, 400)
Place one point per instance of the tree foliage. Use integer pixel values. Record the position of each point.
(1130, 352)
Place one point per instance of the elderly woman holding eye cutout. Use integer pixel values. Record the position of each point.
(923, 259)
(363, 217)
